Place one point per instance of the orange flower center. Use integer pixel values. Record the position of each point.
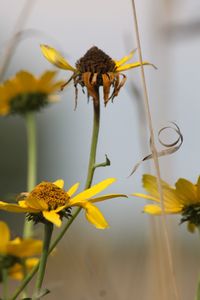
(50, 193)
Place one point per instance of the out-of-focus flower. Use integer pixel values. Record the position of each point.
(93, 70)
(25, 93)
(182, 199)
(17, 270)
(50, 202)
(17, 252)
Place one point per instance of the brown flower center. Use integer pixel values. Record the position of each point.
(95, 61)
(50, 193)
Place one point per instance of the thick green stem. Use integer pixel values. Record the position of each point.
(5, 283)
(90, 174)
(31, 165)
(48, 229)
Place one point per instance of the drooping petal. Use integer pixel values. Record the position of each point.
(94, 216)
(133, 65)
(4, 237)
(89, 193)
(107, 197)
(24, 248)
(124, 59)
(54, 57)
(73, 189)
(106, 87)
(52, 217)
(191, 227)
(59, 183)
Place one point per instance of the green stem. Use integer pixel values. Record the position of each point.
(90, 174)
(5, 283)
(32, 164)
(48, 229)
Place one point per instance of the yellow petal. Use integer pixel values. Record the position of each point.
(94, 216)
(148, 197)
(156, 210)
(95, 189)
(59, 183)
(24, 248)
(36, 204)
(186, 191)
(4, 237)
(73, 189)
(124, 59)
(52, 217)
(15, 208)
(26, 82)
(54, 57)
(133, 65)
(106, 197)
(198, 188)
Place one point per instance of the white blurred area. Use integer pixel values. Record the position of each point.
(170, 37)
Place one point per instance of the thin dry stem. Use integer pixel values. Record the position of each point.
(155, 154)
(8, 53)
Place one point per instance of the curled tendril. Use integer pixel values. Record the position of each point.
(171, 147)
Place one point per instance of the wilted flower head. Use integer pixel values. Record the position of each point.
(182, 199)
(49, 202)
(93, 70)
(25, 93)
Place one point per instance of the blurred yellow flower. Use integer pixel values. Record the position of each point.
(49, 201)
(93, 70)
(24, 92)
(182, 199)
(18, 247)
(17, 270)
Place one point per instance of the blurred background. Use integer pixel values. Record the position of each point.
(127, 261)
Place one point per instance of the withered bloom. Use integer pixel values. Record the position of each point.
(93, 70)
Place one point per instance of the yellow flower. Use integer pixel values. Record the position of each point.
(24, 92)
(93, 70)
(18, 247)
(182, 199)
(17, 270)
(48, 201)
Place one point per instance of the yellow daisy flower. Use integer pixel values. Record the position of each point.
(93, 70)
(24, 92)
(50, 202)
(182, 199)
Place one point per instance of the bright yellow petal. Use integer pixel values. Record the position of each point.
(156, 210)
(36, 204)
(14, 208)
(186, 191)
(59, 183)
(24, 248)
(134, 65)
(26, 81)
(52, 217)
(124, 59)
(4, 237)
(95, 189)
(94, 216)
(148, 197)
(107, 197)
(73, 189)
(54, 57)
